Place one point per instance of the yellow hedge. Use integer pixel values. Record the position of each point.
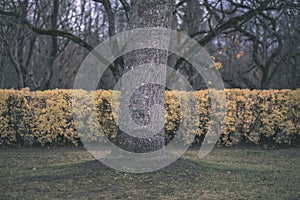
(265, 117)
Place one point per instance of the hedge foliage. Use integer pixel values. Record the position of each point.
(265, 117)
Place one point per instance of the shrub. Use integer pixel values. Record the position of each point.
(264, 117)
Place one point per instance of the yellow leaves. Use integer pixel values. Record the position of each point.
(218, 65)
(240, 54)
(47, 116)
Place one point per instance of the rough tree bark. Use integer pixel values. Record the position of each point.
(150, 13)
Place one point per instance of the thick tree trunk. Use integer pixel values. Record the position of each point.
(150, 13)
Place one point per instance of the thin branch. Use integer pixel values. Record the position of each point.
(110, 15)
(111, 30)
(178, 5)
(126, 8)
(57, 33)
(231, 23)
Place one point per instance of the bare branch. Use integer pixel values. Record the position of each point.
(57, 33)
(126, 8)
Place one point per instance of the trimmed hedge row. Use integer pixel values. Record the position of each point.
(264, 117)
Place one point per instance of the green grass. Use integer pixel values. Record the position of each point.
(67, 173)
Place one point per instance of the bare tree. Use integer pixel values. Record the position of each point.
(45, 40)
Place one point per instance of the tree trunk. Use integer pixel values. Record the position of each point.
(150, 13)
(54, 44)
(264, 80)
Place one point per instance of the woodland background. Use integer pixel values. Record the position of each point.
(255, 43)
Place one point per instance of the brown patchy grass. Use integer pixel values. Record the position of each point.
(72, 173)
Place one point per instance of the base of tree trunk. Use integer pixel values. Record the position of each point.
(140, 145)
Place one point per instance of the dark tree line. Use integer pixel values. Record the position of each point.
(255, 43)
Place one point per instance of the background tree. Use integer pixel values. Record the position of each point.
(44, 41)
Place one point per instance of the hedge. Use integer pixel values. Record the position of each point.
(263, 117)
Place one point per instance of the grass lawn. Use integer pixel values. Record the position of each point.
(70, 173)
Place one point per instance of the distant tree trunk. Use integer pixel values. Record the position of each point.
(54, 43)
(193, 22)
(150, 13)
